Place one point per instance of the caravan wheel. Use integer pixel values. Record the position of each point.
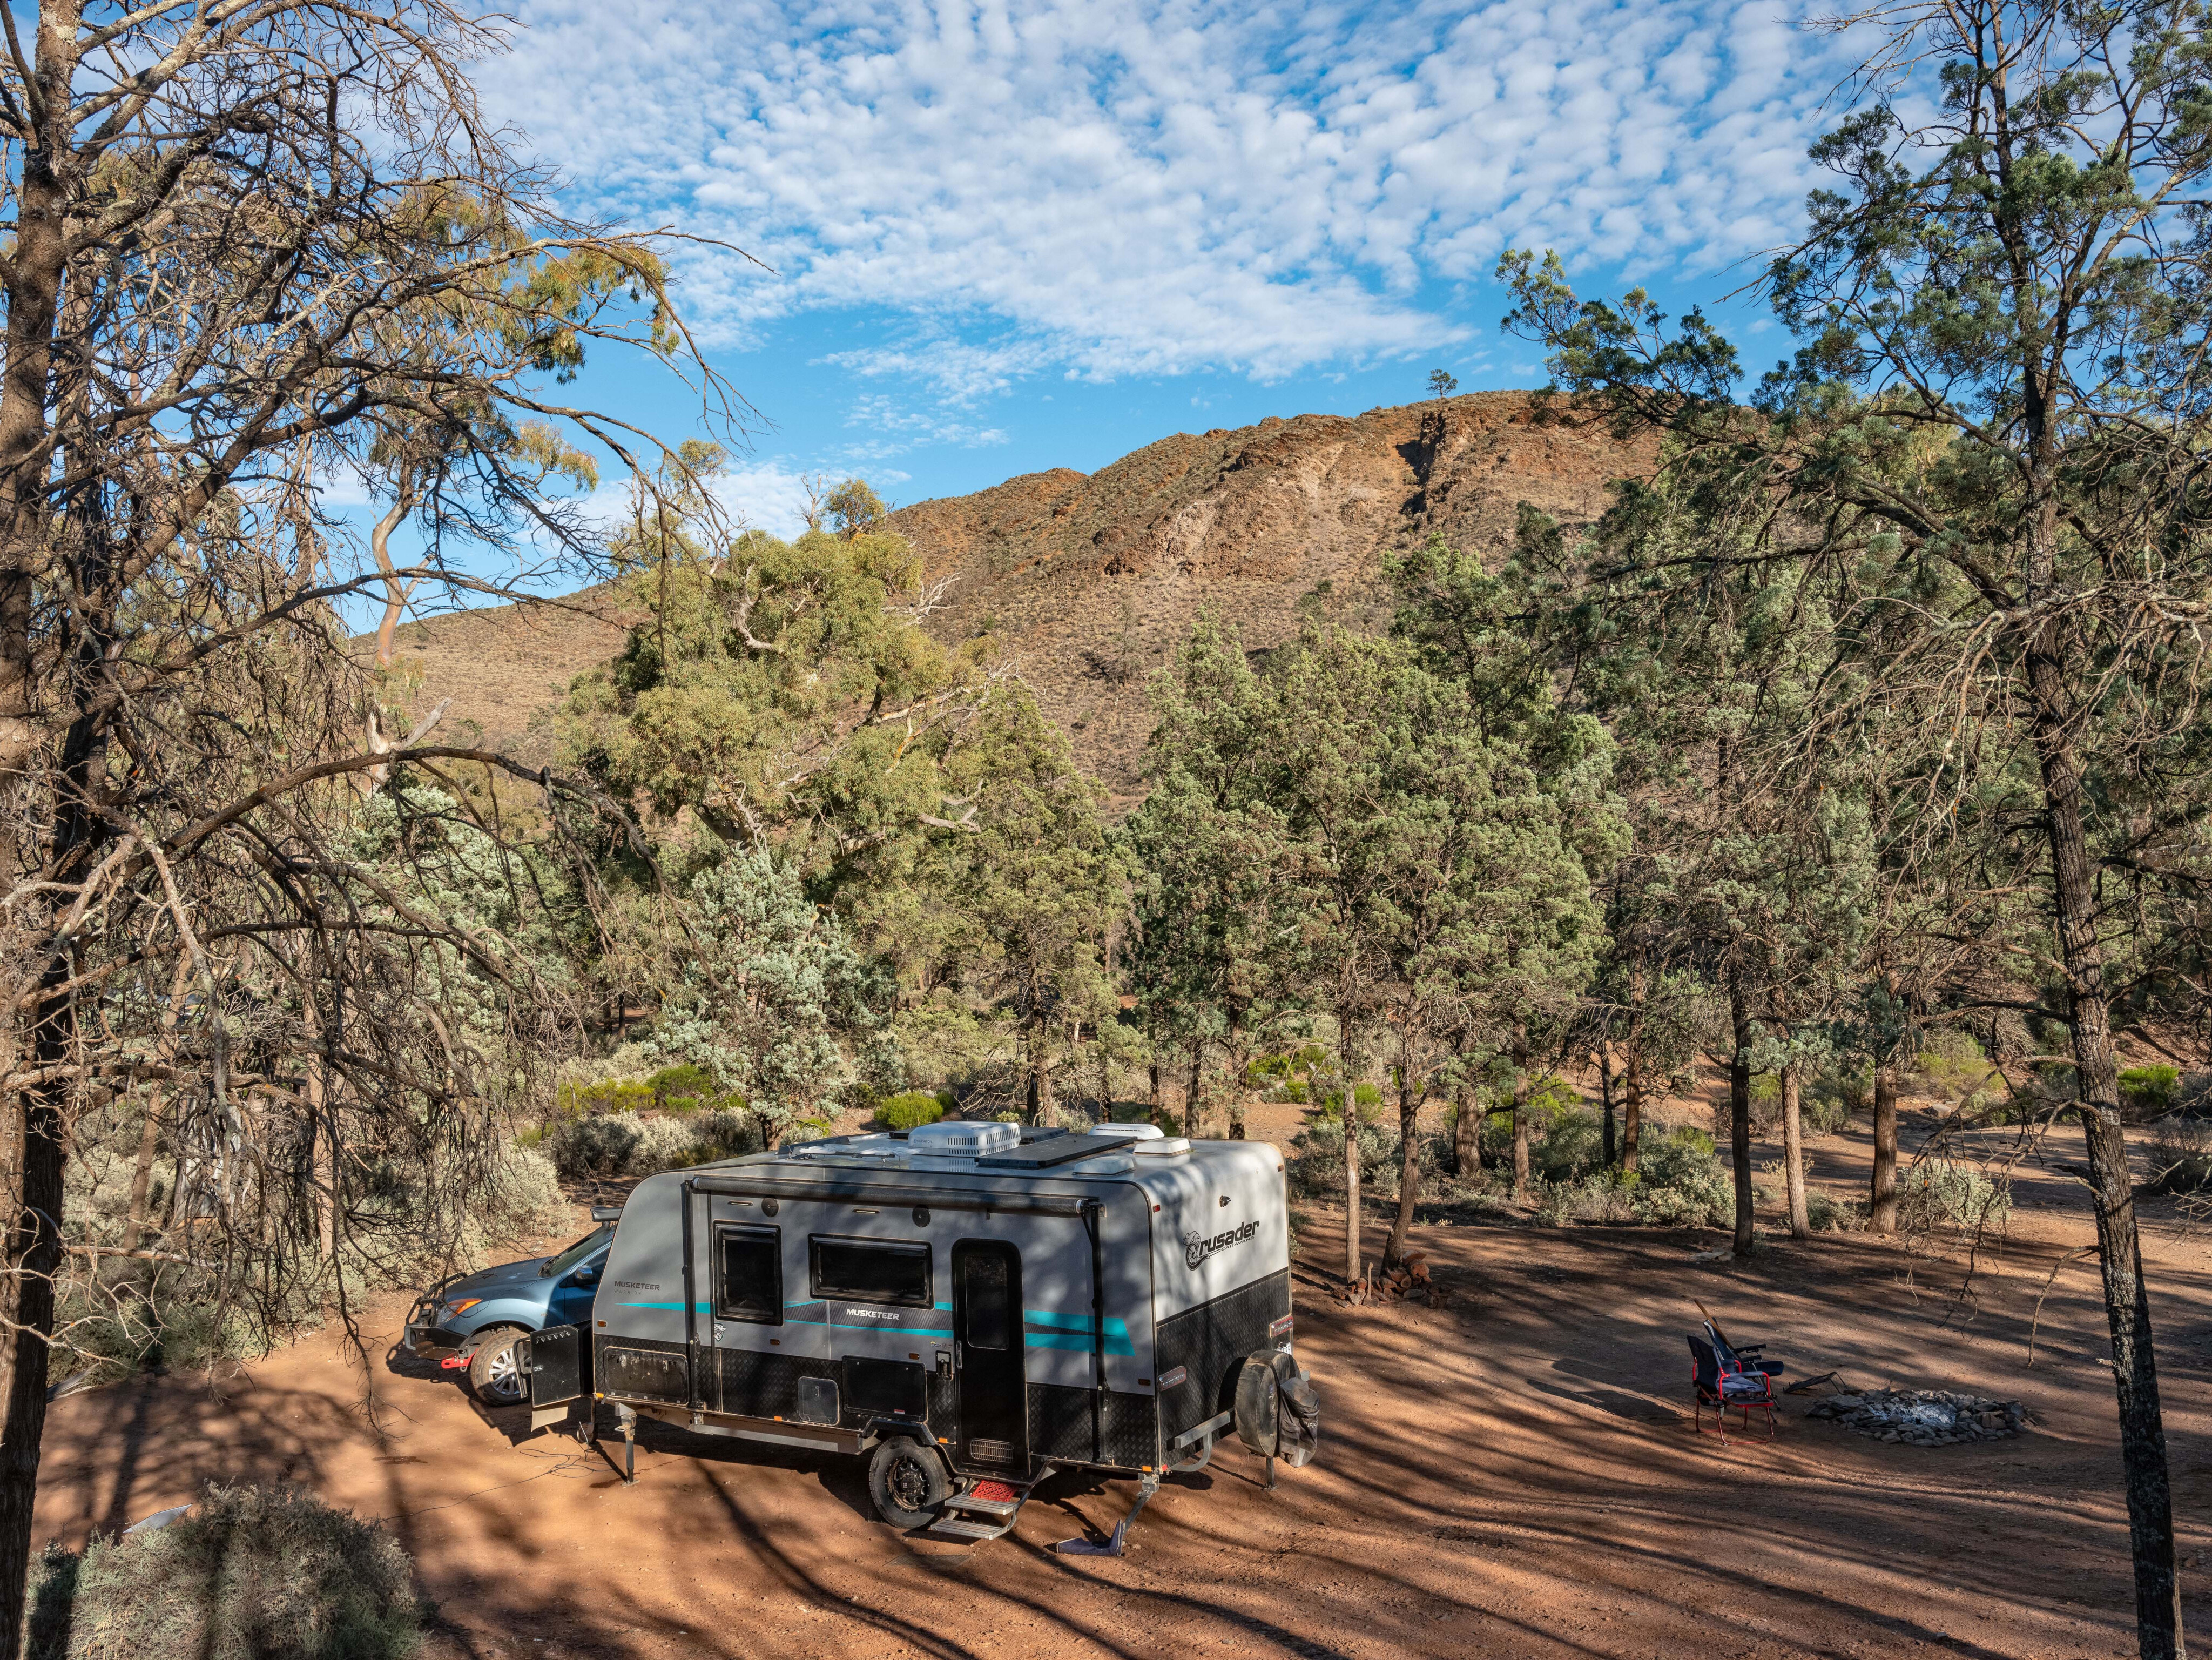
(907, 1481)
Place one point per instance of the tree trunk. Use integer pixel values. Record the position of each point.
(1609, 1151)
(2119, 1247)
(1193, 1098)
(1155, 1108)
(142, 1172)
(1240, 1074)
(1467, 1134)
(1739, 1113)
(1882, 1199)
(1409, 1162)
(1632, 1112)
(1793, 1149)
(395, 591)
(1632, 1127)
(1520, 1135)
(1352, 1258)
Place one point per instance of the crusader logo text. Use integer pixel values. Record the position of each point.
(1197, 1247)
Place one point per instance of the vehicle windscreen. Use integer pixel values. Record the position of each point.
(577, 1252)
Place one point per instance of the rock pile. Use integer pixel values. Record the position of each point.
(1923, 1418)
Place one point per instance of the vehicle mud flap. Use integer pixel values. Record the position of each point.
(1277, 1411)
(553, 1361)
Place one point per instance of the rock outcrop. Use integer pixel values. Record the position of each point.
(1090, 581)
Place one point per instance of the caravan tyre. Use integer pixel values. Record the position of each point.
(493, 1374)
(907, 1481)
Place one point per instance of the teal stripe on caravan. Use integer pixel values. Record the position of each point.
(1073, 1322)
(1079, 1342)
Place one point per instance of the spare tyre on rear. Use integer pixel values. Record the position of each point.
(1277, 1412)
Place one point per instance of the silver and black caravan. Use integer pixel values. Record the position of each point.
(975, 1304)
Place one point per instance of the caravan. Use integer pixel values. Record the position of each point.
(973, 1304)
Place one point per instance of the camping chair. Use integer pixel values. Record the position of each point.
(1720, 1378)
(1744, 1360)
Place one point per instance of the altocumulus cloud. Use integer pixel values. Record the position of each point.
(1074, 186)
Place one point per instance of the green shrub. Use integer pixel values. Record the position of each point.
(522, 1194)
(2180, 1152)
(1682, 1184)
(1319, 1170)
(1953, 1068)
(2149, 1090)
(1829, 1214)
(904, 1112)
(1369, 1099)
(252, 1574)
(617, 1144)
(686, 1079)
(1937, 1193)
(604, 1095)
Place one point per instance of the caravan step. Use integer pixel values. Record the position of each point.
(951, 1527)
(998, 1498)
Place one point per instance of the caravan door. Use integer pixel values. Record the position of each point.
(986, 1337)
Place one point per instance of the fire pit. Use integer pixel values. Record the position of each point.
(1923, 1418)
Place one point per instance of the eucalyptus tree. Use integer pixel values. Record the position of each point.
(1443, 890)
(1213, 951)
(1493, 637)
(237, 243)
(1993, 428)
(1025, 888)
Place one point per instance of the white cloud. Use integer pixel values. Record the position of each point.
(1106, 189)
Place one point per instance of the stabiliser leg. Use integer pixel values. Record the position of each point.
(1146, 1486)
(626, 1417)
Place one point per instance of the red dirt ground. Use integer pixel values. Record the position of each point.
(1512, 1473)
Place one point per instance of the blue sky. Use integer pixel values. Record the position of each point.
(1004, 237)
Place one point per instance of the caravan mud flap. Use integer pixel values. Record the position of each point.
(553, 1361)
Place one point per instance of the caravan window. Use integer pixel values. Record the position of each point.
(748, 1274)
(872, 1271)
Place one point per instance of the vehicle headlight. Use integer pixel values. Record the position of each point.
(462, 1306)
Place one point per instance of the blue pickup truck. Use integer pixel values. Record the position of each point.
(474, 1319)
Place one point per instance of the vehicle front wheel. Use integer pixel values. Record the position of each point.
(492, 1371)
(908, 1481)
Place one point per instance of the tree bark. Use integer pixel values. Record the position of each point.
(1352, 1256)
(142, 1171)
(1409, 1161)
(1193, 1098)
(1632, 1112)
(1793, 1149)
(1521, 1134)
(1155, 1108)
(1740, 1113)
(1467, 1134)
(1632, 1127)
(2119, 1247)
(379, 544)
(1609, 1152)
(1882, 1199)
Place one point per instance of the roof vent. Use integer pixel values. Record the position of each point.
(1128, 1132)
(960, 1138)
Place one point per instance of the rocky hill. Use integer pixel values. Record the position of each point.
(1090, 581)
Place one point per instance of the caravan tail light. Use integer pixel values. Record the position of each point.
(1169, 1380)
(1280, 1327)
